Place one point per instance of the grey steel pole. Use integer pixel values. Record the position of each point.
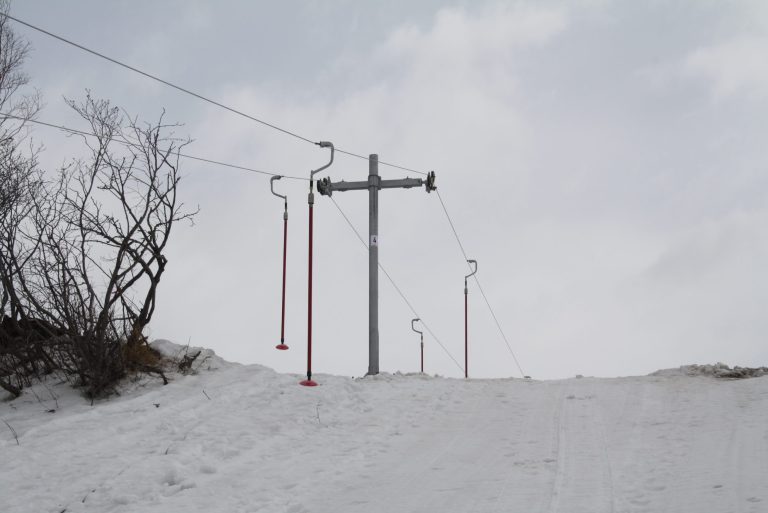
(326, 187)
(373, 264)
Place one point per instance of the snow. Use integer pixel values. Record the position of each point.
(236, 438)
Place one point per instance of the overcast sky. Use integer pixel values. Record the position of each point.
(604, 161)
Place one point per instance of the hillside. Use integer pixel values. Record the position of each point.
(236, 438)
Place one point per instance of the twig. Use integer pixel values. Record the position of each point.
(39, 400)
(206, 395)
(13, 432)
(317, 412)
(86, 496)
(50, 392)
(200, 363)
(101, 485)
(185, 365)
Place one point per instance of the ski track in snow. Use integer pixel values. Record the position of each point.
(390, 444)
(583, 480)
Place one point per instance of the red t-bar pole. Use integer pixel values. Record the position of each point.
(311, 201)
(282, 344)
(272, 180)
(422, 354)
(421, 338)
(308, 382)
(466, 321)
(466, 333)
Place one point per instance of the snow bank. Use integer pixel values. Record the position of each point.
(718, 370)
(205, 358)
(245, 439)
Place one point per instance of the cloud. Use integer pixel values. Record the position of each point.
(463, 49)
(739, 65)
(587, 221)
(457, 35)
(607, 219)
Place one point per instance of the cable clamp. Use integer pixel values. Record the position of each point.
(429, 183)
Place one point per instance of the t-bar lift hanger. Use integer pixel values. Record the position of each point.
(282, 345)
(466, 330)
(311, 201)
(421, 334)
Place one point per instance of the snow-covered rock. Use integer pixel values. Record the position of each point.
(204, 357)
(718, 370)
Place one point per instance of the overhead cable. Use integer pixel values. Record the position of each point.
(127, 143)
(192, 93)
(157, 79)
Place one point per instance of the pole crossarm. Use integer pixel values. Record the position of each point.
(403, 183)
(326, 187)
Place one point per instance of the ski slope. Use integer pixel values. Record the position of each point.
(236, 438)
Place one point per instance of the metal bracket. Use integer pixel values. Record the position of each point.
(323, 144)
(466, 290)
(324, 187)
(414, 328)
(473, 272)
(285, 198)
(272, 187)
(429, 183)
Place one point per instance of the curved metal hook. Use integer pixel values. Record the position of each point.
(473, 272)
(272, 187)
(413, 328)
(323, 144)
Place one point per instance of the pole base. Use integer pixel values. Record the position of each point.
(281, 347)
(308, 383)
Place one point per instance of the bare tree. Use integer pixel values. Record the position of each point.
(17, 106)
(18, 168)
(81, 253)
(84, 260)
(15, 110)
(135, 168)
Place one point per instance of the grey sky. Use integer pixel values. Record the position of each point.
(605, 162)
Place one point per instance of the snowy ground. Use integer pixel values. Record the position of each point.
(245, 439)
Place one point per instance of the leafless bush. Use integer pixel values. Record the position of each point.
(83, 257)
(81, 253)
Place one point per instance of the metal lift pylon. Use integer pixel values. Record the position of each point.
(374, 183)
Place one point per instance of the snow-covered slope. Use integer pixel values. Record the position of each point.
(244, 439)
